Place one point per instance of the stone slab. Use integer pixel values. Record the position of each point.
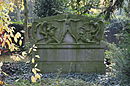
(91, 53)
(72, 67)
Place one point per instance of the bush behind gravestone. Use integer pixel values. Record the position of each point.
(56, 82)
(44, 8)
(120, 63)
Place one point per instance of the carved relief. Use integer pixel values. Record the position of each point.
(90, 32)
(81, 31)
(67, 27)
(47, 30)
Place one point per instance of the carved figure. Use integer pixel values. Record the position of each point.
(89, 33)
(81, 31)
(67, 27)
(48, 32)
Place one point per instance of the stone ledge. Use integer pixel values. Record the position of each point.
(70, 46)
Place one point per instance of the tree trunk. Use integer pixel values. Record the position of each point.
(26, 21)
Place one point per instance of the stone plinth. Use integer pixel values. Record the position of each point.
(69, 42)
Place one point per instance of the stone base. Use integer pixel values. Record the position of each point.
(82, 58)
(72, 67)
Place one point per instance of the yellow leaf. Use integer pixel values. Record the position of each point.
(3, 44)
(15, 39)
(16, 80)
(22, 8)
(12, 47)
(2, 83)
(11, 9)
(37, 56)
(37, 69)
(35, 65)
(11, 34)
(33, 79)
(22, 31)
(34, 71)
(33, 60)
(0, 7)
(30, 50)
(10, 39)
(20, 56)
(16, 48)
(5, 73)
(34, 46)
(1, 63)
(5, 35)
(34, 50)
(20, 42)
(38, 76)
(17, 35)
(24, 53)
(17, 58)
(8, 43)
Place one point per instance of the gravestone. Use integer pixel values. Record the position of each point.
(69, 42)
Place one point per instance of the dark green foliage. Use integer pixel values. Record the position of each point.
(118, 59)
(55, 82)
(120, 56)
(16, 68)
(126, 46)
(45, 8)
(125, 43)
(18, 28)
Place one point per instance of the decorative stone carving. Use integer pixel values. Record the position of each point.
(90, 32)
(54, 29)
(82, 30)
(47, 30)
(70, 42)
(67, 27)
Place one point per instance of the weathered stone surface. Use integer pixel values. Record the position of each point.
(71, 53)
(69, 42)
(72, 67)
(68, 28)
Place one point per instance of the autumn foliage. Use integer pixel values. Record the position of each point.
(6, 35)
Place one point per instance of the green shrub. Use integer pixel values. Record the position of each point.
(120, 62)
(44, 8)
(55, 82)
